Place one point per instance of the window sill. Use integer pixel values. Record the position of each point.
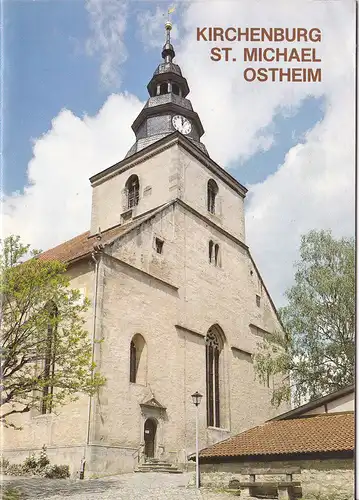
(222, 429)
(138, 384)
(215, 216)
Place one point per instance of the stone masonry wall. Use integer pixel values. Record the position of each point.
(321, 479)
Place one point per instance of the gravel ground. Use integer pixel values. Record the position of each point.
(146, 486)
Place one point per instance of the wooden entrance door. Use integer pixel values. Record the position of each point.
(150, 435)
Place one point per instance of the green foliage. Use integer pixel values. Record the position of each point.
(36, 466)
(11, 494)
(46, 353)
(316, 355)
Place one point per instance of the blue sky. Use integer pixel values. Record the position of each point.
(47, 69)
(291, 144)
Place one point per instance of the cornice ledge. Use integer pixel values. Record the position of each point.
(190, 330)
(243, 351)
(262, 330)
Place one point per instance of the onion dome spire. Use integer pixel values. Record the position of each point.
(168, 52)
(167, 109)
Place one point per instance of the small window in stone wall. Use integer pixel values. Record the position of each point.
(214, 255)
(210, 250)
(258, 300)
(159, 245)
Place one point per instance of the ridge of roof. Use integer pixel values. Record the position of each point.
(296, 412)
(82, 245)
(332, 432)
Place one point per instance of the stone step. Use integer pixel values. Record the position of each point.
(169, 470)
(155, 464)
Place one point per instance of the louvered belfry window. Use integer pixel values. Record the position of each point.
(133, 191)
(212, 190)
(213, 350)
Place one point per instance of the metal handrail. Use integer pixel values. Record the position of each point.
(137, 451)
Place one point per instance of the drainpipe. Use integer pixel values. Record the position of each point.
(96, 256)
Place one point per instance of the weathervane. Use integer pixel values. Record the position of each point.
(168, 22)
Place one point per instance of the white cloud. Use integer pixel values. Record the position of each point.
(56, 205)
(314, 188)
(151, 26)
(108, 25)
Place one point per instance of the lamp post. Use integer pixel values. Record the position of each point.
(196, 399)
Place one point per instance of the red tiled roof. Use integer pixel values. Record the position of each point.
(82, 245)
(321, 433)
(71, 249)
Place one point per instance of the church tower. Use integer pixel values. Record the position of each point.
(183, 303)
(167, 161)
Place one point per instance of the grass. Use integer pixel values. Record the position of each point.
(11, 494)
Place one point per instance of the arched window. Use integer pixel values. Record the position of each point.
(138, 360)
(216, 255)
(212, 190)
(164, 88)
(133, 191)
(133, 362)
(214, 347)
(210, 250)
(49, 358)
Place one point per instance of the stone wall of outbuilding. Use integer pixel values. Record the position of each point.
(327, 479)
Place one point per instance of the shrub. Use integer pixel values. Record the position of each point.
(35, 466)
(57, 471)
(4, 462)
(30, 462)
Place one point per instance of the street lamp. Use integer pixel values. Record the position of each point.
(196, 399)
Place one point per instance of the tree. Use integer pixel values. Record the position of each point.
(46, 353)
(316, 354)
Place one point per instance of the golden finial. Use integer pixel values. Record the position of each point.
(168, 24)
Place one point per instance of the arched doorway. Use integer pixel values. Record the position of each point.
(150, 437)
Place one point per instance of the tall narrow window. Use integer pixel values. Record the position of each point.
(213, 389)
(49, 359)
(133, 191)
(216, 254)
(138, 360)
(210, 251)
(212, 190)
(133, 363)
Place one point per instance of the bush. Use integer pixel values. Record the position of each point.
(35, 466)
(30, 462)
(4, 462)
(57, 471)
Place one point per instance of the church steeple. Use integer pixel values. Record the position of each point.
(168, 52)
(167, 110)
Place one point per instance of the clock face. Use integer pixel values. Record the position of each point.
(182, 124)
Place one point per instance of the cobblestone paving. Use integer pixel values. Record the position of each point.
(149, 486)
